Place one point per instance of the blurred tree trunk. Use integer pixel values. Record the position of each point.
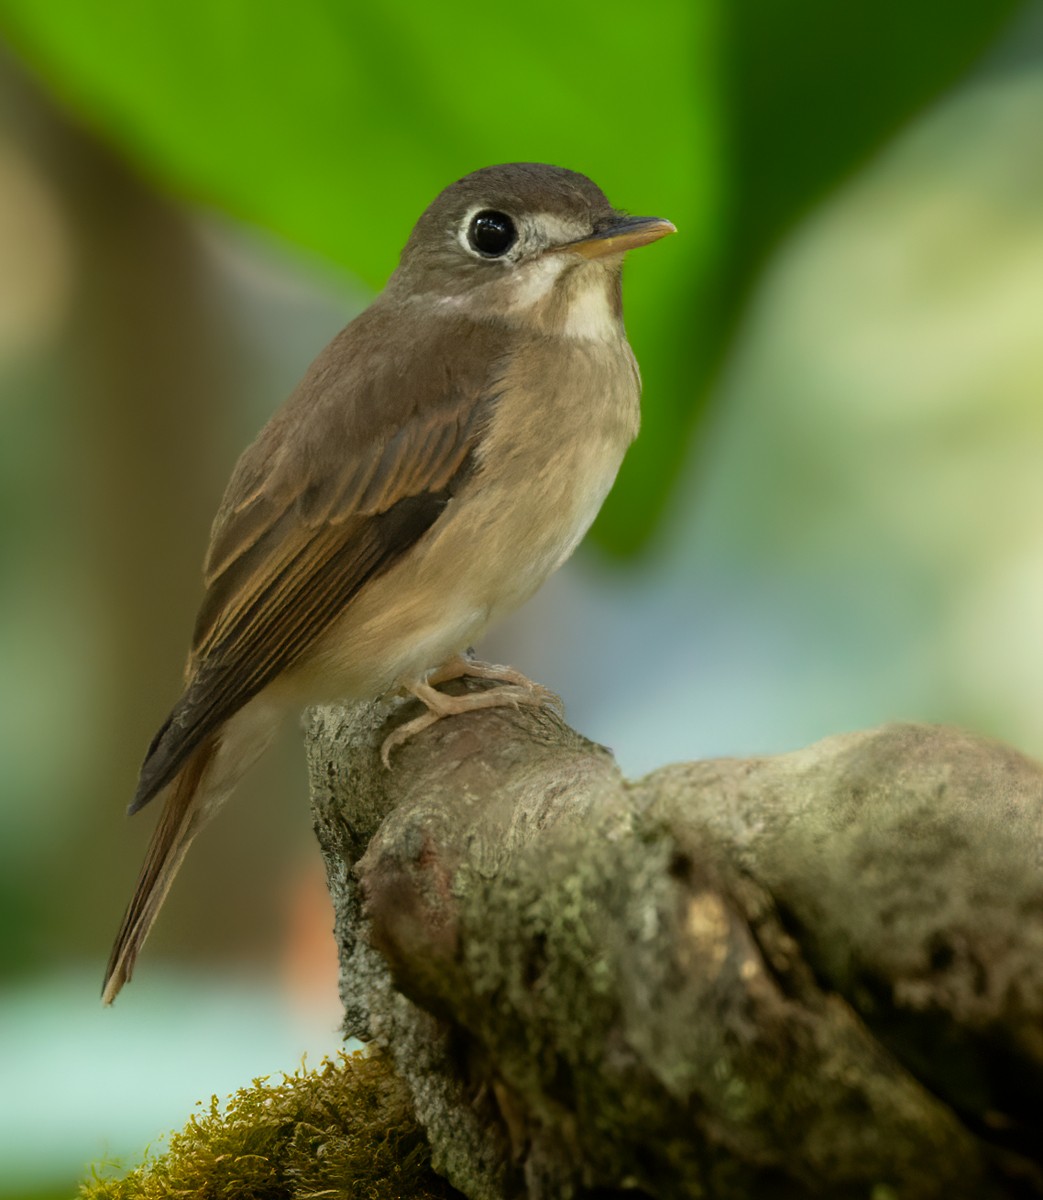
(139, 447)
(819, 974)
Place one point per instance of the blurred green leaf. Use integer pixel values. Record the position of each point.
(810, 90)
(334, 124)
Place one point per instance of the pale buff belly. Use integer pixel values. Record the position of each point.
(517, 521)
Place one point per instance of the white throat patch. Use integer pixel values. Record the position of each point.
(589, 316)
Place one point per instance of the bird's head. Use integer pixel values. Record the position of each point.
(526, 242)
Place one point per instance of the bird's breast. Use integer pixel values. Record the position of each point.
(567, 412)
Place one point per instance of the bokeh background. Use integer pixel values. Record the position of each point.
(833, 517)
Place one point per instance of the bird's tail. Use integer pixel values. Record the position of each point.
(185, 812)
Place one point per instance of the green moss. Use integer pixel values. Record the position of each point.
(344, 1130)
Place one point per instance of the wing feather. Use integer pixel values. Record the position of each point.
(341, 483)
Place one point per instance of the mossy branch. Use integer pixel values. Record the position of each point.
(344, 1131)
(813, 975)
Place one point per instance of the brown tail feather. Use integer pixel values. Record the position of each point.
(182, 817)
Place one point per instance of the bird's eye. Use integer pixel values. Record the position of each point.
(491, 234)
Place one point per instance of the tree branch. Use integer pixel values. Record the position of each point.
(819, 974)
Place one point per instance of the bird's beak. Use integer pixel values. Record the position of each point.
(622, 234)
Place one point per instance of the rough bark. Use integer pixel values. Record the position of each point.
(818, 974)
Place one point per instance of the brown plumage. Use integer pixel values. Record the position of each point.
(439, 459)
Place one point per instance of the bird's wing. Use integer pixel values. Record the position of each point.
(337, 488)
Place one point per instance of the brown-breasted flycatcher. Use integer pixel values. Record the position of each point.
(441, 457)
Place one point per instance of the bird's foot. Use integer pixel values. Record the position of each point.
(460, 666)
(514, 691)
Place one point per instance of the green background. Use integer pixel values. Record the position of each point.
(333, 123)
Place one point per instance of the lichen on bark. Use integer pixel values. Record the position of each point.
(819, 974)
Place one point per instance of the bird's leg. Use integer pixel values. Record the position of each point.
(514, 690)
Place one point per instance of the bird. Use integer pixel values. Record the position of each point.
(440, 458)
